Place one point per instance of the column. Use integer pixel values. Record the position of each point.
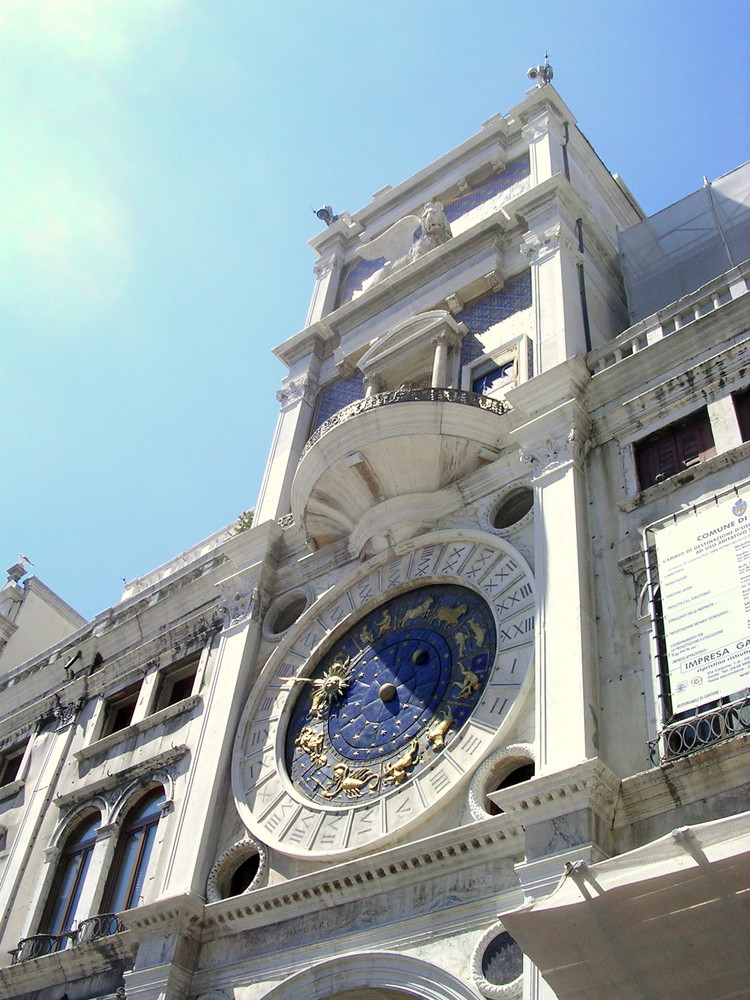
(297, 398)
(551, 251)
(555, 445)
(440, 363)
(545, 134)
(327, 273)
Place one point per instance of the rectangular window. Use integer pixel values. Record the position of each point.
(119, 711)
(177, 682)
(674, 449)
(491, 376)
(742, 409)
(10, 764)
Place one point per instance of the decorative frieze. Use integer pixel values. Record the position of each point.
(66, 713)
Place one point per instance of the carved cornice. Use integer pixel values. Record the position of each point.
(101, 786)
(180, 915)
(588, 784)
(359, 879)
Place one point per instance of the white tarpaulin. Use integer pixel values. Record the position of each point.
(668, 920)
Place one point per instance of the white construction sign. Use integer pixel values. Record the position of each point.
(704, 576)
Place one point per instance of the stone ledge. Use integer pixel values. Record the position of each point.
(142, 726)
(358, 879)
(589, 784)
(155, 763)
(668, 486)
(69, 965)
(684, 781)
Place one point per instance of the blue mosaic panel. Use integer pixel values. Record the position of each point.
(511, 182)
(355, 275)
(338, 394)
(493, 308)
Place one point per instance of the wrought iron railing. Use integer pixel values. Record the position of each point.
(702, 730)
(99, 926)
(432, 395)
(90, 929)
(38, 945)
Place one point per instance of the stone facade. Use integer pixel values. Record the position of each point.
(320, 756)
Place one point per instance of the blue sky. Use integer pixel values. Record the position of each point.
(160, 160)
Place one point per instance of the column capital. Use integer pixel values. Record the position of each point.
(543, 124)
(569, 447)
(325, 265)
(297, 390)
(538, 245)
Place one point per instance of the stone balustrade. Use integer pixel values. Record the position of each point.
(705, 300)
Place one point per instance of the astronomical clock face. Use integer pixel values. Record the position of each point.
(385, 696)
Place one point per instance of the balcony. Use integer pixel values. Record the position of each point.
(372, 472)
(701, 730)
(38, 945)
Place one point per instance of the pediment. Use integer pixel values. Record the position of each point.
(406, 352)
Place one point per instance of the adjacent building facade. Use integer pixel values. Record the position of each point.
(464, 713)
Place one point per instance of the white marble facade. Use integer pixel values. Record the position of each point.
(454, 467)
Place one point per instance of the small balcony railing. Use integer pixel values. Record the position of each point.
(702, 730)
(90, 929)
(432, 395)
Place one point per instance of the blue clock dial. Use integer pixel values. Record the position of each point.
(390, 694)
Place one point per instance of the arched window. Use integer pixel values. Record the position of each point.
(62, 904)
(125, 883)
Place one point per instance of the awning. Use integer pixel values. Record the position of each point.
(667, 920)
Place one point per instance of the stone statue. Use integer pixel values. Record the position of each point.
(397, 243)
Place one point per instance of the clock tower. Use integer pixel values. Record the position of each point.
(481, 650)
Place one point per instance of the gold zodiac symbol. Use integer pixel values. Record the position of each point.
(397, 772)
(312, 744)
(470, 682)
(385, 622)
(329, 687)
(436, 735)
(450, 616)
(351, 784)
(477, 630)
(419, 612)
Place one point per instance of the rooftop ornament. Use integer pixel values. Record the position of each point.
(325, 214)
(542, 75)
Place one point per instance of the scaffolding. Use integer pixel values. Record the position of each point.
(672, 253)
